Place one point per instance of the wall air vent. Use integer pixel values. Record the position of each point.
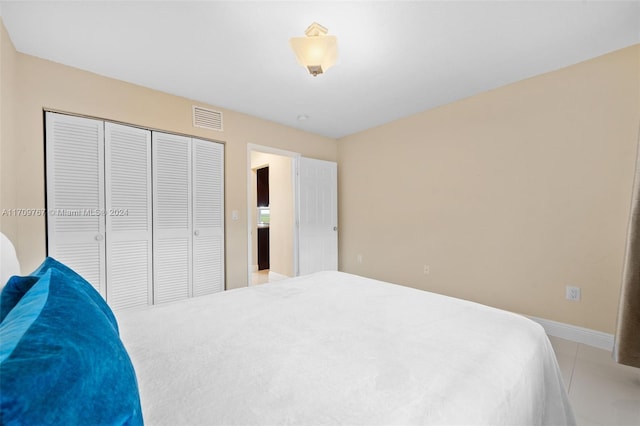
(207, 118)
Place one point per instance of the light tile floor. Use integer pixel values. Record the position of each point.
(265, 276)
(601, 391)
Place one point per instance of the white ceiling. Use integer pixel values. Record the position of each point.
(395, 58)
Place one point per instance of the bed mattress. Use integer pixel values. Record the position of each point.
(335, 348)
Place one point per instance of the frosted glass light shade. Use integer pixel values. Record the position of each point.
(317, 51)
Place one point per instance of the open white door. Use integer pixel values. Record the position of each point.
(318, 222)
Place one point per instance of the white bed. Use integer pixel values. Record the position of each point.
(334, 348)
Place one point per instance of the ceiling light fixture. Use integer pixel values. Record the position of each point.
(317, 51)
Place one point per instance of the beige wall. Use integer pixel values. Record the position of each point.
(40, 84)
(282, 211)
(7, 151)
(507, 196)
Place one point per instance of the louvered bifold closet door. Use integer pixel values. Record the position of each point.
(208, 217)
(172, 235)
(128, 216)
(75, 195)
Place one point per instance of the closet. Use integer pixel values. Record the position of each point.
(138, 213)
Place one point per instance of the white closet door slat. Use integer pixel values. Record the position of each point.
(87, 259)
(172, 246)
(75, 195)
(128, 216)
(208, 217)
(129, 269)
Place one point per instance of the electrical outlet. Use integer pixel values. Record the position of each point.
(359, 258)
(427, 269)
(573, 293)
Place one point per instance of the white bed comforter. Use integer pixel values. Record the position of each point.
(334, 348)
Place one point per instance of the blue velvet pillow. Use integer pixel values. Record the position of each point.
(17, 287)
(13, 291)
(61, 359)
(79, 283)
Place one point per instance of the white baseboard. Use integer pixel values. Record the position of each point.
(574, 333)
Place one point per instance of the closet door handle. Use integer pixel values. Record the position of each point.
(99, 237)
(196, 232)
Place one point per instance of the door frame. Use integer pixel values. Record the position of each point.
(295, 161)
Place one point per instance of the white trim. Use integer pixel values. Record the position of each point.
(574, 333)
(271, 150)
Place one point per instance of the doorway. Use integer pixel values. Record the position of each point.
(263, 218)
(272, 213)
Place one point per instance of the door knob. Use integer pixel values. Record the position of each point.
(99, 237)
(335, 228)
(196, 233)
